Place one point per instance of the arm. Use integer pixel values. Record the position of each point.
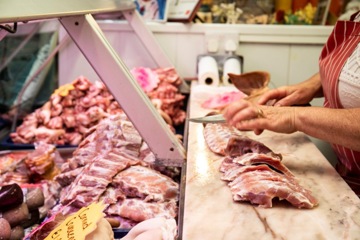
(298, 94)
(339, 126)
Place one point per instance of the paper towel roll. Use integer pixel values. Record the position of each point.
(231, 65)
(208, 72)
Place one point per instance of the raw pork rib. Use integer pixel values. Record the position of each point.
(217, 137)
(260, 158)
(261, 184)
(239, 145)
(253, 171)
(108, 166)
(145, 183)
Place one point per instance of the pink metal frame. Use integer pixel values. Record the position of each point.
(87, 35)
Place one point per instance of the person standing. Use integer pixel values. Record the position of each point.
(338, 122)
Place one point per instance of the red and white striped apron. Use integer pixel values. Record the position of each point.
(340, 45)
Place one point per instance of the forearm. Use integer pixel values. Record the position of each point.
(339, 126)
(314, 82)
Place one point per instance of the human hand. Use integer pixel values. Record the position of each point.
(286, 96)
(299, 94)
(245, 115)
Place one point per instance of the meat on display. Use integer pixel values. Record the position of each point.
(109, 165)
(253, 171)
(74, 108)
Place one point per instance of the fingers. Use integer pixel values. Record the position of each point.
(240, 111)
(255, 124)
(272, 95)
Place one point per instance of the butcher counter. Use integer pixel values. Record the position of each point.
(209, 212)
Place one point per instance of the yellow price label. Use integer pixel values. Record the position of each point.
(79, 224)
(64, 90)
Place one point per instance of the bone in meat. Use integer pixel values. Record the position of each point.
(262, 185)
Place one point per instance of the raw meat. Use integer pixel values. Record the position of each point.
(147, 79)
(139, 210)
(109, 166)
(239, 145)
(253, 171)
(217, 137)
(260, 158)
(260, 185)
(73, 109)
(147, 184)
(220, 101)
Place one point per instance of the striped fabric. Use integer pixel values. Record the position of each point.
(340, 45)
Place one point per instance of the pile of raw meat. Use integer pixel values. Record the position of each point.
(114, 165)
(254, 172)
(162, 87)
(76, 107)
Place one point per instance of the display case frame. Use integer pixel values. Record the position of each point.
(76, 17)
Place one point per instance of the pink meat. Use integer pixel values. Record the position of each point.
(217, 137)
(239, 145)
(138, 210)
(220, 101)
(260, 158)
(147, 184)
(147, 78)
(262, 185)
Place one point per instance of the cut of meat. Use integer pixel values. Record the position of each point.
(253, 171)
(66, 178)
(220, 101)
(147, 184)
(233, 172)
(112, 195)
(96, 176)
(262, 185)
(147, 79)
(217, 137)
(73, 109)
(138, 210)
(260, 158)
(109, 166)
(239, 145)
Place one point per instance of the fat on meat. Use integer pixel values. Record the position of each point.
(261, 185)
(239, 145)
(92, 182)
(139, 210)
(74, 108)
(217, 137)
(260, 158)
(253, 171)
(260, 178)
(220, 101)
(147, 184)
(109, 166)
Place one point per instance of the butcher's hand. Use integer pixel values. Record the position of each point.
(298, 94)
(245, 115)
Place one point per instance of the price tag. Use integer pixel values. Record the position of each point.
(79, 224)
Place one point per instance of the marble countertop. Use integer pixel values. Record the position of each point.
(211, 214)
